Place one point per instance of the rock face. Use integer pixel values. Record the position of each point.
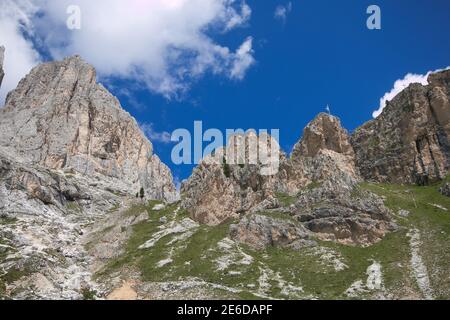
(2, 73)
(324, 153)
(260, 231)
(319, 180)
(408, 142)
(343, 214)
(69, 155)
(219, 191)
(323, 133)
(445, 189)
(213, 194)
(42, 214)
(59, 117)
(331, 205)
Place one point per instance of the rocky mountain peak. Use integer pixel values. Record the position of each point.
(219, 190)
(59, 117)
(324, 153)
(323, 133)
(65, 80)
(315, 188)
(70, 156)
(440, 79)
(408, 142)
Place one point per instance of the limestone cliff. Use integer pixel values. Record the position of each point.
(324, 153)
(408, 142)
(218, 191)
(59, 117)
(316, 187)
(324, 132)
(213, 195)
(69, 156)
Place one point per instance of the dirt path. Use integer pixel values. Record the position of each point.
(125, 292)
(419, 269)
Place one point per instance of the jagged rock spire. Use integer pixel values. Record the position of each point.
(324, 132)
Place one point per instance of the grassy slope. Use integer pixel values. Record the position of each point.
(433, 224)
(197, 256)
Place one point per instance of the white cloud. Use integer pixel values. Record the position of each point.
(243, 60)
(282, 11)
(20, 55)
(165, 44)
(155, 136)
(235, 20)
(401, 85)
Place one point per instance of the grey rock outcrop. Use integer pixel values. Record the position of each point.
(260, 231)
(409, 141)
(320, 178)
(332, 206)
(344, 215)
(34, 190)
(218, 191)
(325, 154)
(69, 155)
(43, 214)
(325, 132)
(2, 55)
(59, 117)
(445, 189)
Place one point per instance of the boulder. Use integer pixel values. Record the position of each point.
(445, 189)
(260, 231)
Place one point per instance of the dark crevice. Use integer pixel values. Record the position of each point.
(436, 168)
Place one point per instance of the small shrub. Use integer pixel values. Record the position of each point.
(226, 170)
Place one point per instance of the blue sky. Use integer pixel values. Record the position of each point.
(322, 53)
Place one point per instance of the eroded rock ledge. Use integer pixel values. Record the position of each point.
(409, 142)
